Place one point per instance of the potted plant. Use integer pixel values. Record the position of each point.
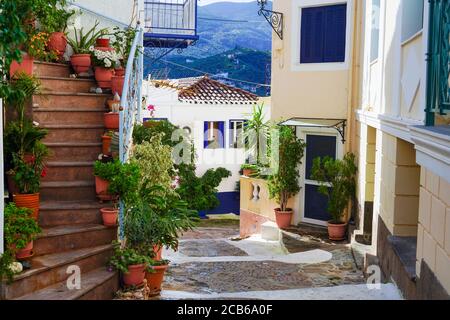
(249, 170)
(82, 46)
(117, 82)
(256, 130)
(106, 142)
(284, 183)
(111, 119)
(104, 172)
(337, 180)
(130, 263)
(104, 62)
(20, 231)
(154, 274)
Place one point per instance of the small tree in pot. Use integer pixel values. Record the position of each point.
(337, 180)
(284, 184)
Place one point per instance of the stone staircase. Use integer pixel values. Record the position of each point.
(72, 230)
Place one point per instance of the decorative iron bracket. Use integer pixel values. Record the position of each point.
(274, 18)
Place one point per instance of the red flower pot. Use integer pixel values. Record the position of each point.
(26, 66)
(337, 232)
(120, 72)
(103, 77)
(109, 216)
(30, 201)
(155, 278)
(135, 275)
(25, 253)
(117, 84)
(58, 42)
(106, 146)
(248, 172)
(81, 62)
(283, 218)
(102, 42)
(111, 120)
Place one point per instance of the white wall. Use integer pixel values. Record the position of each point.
(193, 115)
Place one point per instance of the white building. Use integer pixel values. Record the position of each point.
(214, 114)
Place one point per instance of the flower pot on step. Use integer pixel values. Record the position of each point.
(101, 189)
(30, 201)
(58, 42)
(119, 72)
(109, 216)
(102, 42)
(337, 231)
(117, 84)
(25, 253)
(26, 65)
(135, 275)
(111, 120)
(106, 145)
(248, 172)
(155, 278)
(81, 62)
(103, 77)
(283, 218)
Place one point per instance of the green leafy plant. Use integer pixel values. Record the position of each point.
(22, 88)
(256, 130)
(52, 15)
(20, 227)
(124, 257)
(37, 47)
(337, 180)
(163, 128)
(83, 42)
(6, 261)
(284, 183)
(123, 41)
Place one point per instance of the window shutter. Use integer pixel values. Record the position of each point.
(312, 35)
(205, 134)
(221, 133)
(335, 33)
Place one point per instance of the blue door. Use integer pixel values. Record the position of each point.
(316, 203)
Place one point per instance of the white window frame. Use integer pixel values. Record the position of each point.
(297, 6)
(232, 132)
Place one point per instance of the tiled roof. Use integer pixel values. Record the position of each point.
(208, 91)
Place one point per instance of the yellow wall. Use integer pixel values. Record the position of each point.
(315, 94)
(433, 241)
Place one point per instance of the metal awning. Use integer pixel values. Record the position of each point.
(338, 124)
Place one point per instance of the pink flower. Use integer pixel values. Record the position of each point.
(151, 107)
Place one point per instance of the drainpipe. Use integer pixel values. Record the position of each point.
(2, 198)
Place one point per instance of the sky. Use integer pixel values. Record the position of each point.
(206, 2)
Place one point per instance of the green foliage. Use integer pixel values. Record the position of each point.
(337, 180)
(13, 35)
(142, 133)
(22, 88)
(83, 42)
(125, 257)
(256, 131)
(6, 259)
(20, 227)
(52, 15)
(37, 47)
(249, 166)
(200, 192)
(22, 138)
(26, 176)
(123, 41)
(284, 184)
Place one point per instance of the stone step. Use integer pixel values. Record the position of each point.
(86, 133)
(70, 100)
(69, 171)
(98, 284)
(62, 84)
(270, 231)
(75, 151)
(72, 237)
(59, 213)
(69, 116)
(48, 69)
(68, 190)
(51, 269)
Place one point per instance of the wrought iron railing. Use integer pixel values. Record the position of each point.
(438, 77)
(131, 103)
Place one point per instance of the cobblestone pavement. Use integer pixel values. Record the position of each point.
(237, 276)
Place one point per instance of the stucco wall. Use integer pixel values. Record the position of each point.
(433, 241)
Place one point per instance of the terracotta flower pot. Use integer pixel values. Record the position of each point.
(58, 42)
(106, 146)
(111, 120)
(135, 275)
(283, 218)
(248, 172)
(81, 62)
(30, 201)
(26, 65)
(155, 279)
(25, 253)
(103, 77)
(158, 252)
(117, 83)
(120, 72)
(109, 216)
(102, 42)
(337, 232)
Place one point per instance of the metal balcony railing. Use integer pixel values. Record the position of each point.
(438, 77)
